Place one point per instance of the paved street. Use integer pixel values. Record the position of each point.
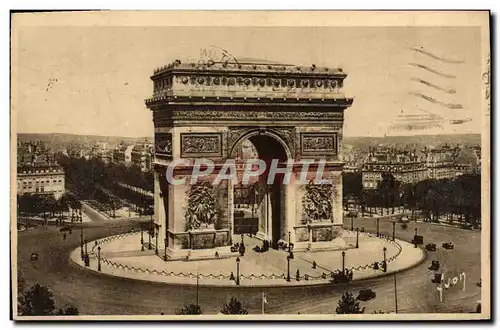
(95, 294)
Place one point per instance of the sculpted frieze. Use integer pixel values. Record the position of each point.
(319, 143)
(317, 202)
(201, 207)
(201, 145)
(163, 144)
(243, 114)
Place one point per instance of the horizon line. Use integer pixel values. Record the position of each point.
(152, 136)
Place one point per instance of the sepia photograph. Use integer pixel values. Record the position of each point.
(239, 165)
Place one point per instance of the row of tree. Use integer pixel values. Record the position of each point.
(347, 305)
(48, 206)
(94, 170)
(39, 301)
(95, 180)
(458, 199)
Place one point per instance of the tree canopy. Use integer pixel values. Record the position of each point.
(190, 309)
(233, 307)
(39, 301)
(458, 197)
(349, 305)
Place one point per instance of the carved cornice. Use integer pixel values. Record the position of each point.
(335, 100)
(234, 83)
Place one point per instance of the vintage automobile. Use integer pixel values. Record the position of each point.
(404, 219)
(434, 265)
(366, 294)
(34, 256)
(430, 247)
(448, 246)
(418, 239)
(437, 278)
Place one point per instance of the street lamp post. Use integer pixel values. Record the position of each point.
(415, 237)
(99, 258)
(150, 232)
(165, 253)
(357, 237)
(142, 238)
(343, 262)
(394, 230)
(352, 221)
(149, 240)
(378, 227)
(385, 259)
(237, 270)
(81, 243)
(242, 239)
(395, 294)
(87, 261)
(288, 268)
(156, 245)
(289, 241)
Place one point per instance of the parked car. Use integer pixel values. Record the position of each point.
(437, 278)
(418, 239)
(430, 247)
(366, 294)
(434, 265)
(448, 246)
(34, 256)
(404, 220)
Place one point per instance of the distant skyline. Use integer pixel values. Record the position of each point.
(93, 80)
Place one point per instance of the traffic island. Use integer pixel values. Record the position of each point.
(121, 256)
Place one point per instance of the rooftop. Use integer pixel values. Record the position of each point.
(250, 66)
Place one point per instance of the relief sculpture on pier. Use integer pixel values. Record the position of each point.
(317, 202)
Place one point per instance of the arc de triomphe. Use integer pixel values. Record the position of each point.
(205, 110)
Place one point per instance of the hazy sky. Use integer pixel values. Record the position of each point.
(103, 72)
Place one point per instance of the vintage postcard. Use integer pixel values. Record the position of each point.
(250, 165)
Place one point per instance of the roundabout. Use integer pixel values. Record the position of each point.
(121, 256)
(111, 295)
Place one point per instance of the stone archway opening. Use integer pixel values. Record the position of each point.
(259, 205)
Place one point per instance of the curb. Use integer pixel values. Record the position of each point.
(246, 286)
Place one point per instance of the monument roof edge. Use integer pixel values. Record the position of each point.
(246, 67)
